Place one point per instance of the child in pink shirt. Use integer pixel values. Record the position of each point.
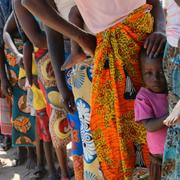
(151, 108)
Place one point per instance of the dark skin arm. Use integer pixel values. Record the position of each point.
(77, 54)
(155, 43)
(9, 29)
(27, 59)
(30, 26)
(56, 51)
(153, 125)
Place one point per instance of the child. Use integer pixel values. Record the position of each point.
(171, 158)
(151, 108)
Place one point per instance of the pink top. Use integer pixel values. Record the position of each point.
(102, 14)
(152, 105)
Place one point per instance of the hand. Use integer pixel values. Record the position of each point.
(68, 101)
(6, 87)
(174, 117)
(72, 60)
(155, 44)
(88, 43)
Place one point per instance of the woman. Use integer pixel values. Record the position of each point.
(121, 29)
(23, 132)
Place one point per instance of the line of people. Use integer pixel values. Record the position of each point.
(113, 90)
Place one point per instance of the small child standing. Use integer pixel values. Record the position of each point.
(151, 108)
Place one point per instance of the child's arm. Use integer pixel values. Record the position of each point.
(174, 117)
(77, 55)
(153, 125)
(144, 113)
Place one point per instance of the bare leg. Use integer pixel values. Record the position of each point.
(49, 158)
(39, 153)
(62, 159)
(31, 158)
(20, 156)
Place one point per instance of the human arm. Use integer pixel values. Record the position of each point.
(155, 42)
(56, 50)
(77, 54)
(29, 25)
(174, 117)
(154, 124)
(52, 19)
(144, 111)
(9, 29)
(27, 59)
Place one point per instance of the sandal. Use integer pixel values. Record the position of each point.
(39, 173)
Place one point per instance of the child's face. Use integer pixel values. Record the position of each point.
(153, 76)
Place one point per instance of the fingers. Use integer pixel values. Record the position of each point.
(153, 48)
(170, 121)
(154, 44)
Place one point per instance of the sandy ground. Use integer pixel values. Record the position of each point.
(10, 172)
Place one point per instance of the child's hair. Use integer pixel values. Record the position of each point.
(144, 57)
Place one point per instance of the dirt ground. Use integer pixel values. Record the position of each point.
(11, 172)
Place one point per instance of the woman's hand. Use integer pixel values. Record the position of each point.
(155, 44)
(68, 101)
